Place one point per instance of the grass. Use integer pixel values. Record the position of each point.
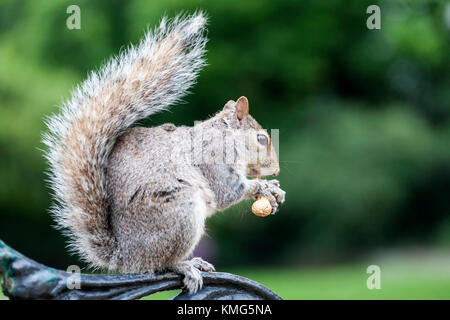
(413, 278)
(349, 282)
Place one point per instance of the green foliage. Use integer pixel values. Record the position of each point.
(363, 116)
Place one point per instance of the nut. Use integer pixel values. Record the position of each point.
(262, 207)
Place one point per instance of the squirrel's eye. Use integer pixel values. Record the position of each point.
(262, 139)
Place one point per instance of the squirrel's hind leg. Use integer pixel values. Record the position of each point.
(202, 265)
(190, 269)
(192, 277)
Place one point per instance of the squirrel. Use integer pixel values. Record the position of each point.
(131, 199)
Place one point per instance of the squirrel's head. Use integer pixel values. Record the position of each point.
(257, 151)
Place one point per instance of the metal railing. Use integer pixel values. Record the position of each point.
(23, 278)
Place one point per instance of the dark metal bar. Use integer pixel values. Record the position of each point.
(23, 278)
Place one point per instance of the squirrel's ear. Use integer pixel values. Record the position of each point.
(241, 108)
(229, 105)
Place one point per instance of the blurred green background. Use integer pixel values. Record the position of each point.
(364, 120)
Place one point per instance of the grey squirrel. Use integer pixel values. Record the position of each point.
(134, 200)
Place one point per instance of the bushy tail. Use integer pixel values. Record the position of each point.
(139, 82)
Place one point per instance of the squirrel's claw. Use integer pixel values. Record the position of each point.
(190, 269)
(202, 265)
(272, 191)
(192, 277)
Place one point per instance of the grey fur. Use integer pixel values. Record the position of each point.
(135, 200)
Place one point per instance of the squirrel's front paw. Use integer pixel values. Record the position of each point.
(272, 191)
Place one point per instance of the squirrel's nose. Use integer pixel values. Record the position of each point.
(277, 172)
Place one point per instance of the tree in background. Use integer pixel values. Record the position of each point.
(363, 116)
